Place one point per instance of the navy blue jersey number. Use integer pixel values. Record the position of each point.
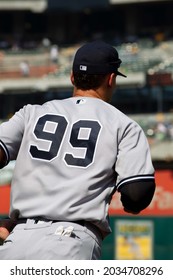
(89, 144)
(55, 138)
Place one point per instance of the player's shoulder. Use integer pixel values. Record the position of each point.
(31, 108)
(124, 121)
(116, 113)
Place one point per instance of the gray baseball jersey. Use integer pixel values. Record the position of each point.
(71, 155)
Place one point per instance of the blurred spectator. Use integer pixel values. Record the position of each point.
(24, 68)
(46, 43)
(161, 131)
(54, 54)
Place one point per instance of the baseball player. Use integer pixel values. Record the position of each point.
(71, 156)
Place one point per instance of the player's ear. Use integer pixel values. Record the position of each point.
(111, 80)
(72, 78)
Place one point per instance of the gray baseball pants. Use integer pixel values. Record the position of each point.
(45, 240)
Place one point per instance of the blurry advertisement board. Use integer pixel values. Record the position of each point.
(133, 240)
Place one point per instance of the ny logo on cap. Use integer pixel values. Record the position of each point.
(83, 68)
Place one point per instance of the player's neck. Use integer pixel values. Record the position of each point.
(89, 93)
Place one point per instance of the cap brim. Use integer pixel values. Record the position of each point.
(120, 74)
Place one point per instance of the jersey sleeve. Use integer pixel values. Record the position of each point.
(11, 133)
(134, 159)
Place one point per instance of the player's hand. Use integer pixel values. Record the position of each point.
(4, 233)
(7, 225)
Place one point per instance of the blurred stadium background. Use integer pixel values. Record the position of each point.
(38, 39)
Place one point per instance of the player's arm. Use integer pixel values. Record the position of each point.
(136, 181)
(137, 195)
(7, 225)
(4, 156)
(11, 133)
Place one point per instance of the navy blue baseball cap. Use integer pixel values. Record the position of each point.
(97, 57)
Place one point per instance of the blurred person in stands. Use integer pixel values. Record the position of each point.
(54, 54)
(24, 68)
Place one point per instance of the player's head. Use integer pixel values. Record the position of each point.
(92, 62)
